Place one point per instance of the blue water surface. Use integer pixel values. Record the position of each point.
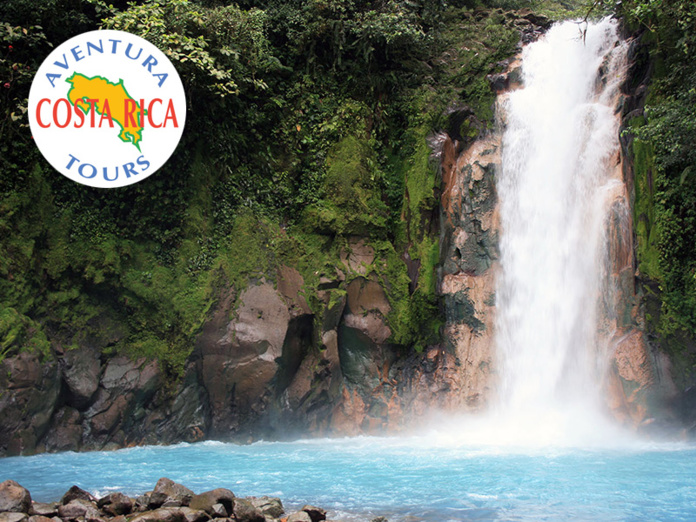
(400, 478)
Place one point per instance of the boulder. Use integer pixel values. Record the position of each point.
(194, 515)
(40, 518)
(14, 497)
(76, 493)
(219, 511)
(79, 508)
(206, 501)
(120, 403)
(379, 519)
(367, 306)
(537, 19)
(116, 504)
(169, 492)
(237, 360)
(300, 516)
(269, 506)
(80, 369)
(315, 513)
(160, 515)
(187, 417)
(46, 510)
(141, 503)
(245, 511)
(121, 374)
(11, 516)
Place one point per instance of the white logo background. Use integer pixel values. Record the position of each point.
(102, 148)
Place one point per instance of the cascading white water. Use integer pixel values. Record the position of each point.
(561, 135)
(562, 212)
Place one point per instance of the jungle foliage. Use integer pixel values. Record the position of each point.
(666, 165)
(307, 124)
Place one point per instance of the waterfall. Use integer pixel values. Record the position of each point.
(556, 185)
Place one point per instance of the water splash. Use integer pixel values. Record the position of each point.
(556, 185)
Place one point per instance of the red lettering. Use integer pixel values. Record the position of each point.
(106, 114)
(149, 113)
(129, 108)
(134, 115)
(171, 114)
(55, 113)
(38, 113)
(92, 104)
(79, 113)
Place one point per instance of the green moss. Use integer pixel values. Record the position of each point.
(421, 180)
(644, 209)
(415, 319)
(351, 192)
(19, 333)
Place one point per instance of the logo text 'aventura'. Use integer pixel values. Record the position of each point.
(107, 108)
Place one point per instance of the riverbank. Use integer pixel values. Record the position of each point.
(167, 502)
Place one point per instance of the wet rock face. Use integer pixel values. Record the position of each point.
(236, 368)
(631, 379)
(367, 308)
(245, 364)
(125, 389)
(470, 263)
(66, 432)
(31, 390)
(265, 364)
(80, 371)
(75, 401)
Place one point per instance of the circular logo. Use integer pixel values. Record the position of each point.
(107, 108)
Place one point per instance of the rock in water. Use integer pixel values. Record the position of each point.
(315, 513)
(206, 501)
(14, 497)
(79, 508)
(41, 518)
(44, 510)
(300, 516)
(116, 504)
(193, 515)
(269, 506)
(169, 492)
(245, 511)
(219, 511)
(160, 515)
(75, 493)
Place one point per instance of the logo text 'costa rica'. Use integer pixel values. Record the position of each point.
(107, 108)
